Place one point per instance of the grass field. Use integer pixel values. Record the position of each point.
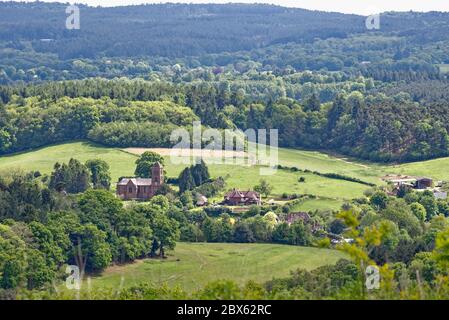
(436, 169)
(325, 163)
(121, 163)
(318, 204)
(243, 177)
(192, 265)
(332, 192)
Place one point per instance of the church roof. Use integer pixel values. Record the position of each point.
(135, 181)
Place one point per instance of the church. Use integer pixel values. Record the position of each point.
(141, 188)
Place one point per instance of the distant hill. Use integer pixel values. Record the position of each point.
(176, 30)
(171, 30)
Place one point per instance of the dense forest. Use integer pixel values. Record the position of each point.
(139, 40)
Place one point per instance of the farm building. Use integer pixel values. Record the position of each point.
(419, 183)
(423, 183)
(236, 198)
(201, 200)
(141, 188)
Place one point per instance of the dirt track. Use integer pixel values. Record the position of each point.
(205, 154)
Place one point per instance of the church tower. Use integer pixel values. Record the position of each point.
(157, 174)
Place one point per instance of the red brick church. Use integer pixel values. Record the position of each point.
(141, 188)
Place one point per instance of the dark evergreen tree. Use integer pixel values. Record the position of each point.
(72, 178)
(200, 173)
(186, 181)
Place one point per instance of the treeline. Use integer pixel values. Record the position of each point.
(132, 134)
(373, 127)
(33, 122)
(376, 128)
(426, 92)
(259, 228)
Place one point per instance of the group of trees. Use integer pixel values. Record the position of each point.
(98, 233)
(33, 122)
(409, 223)
(131, 233)
(193, 176)
(76, 177)
(284, 40)
(373, 127)
(199, 227)
(24, 197)
(43, 229)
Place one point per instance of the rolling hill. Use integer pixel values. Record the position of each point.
(331, 193)
(192, 265)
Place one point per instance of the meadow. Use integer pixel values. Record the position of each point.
(43, 159)
(437, 169)
(122, 163)
(192, 265)
(317, 204)
(331, 193)
(326, 163)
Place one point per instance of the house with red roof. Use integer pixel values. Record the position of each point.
(238, 198)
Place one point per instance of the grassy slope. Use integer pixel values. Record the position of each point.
(192, 265)
(43, 159)
(335, 191)
(122, 164)
(282, 181)
(318, 204)
(324, 163)
(444, 68)
(436, 169)
(370, 172)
